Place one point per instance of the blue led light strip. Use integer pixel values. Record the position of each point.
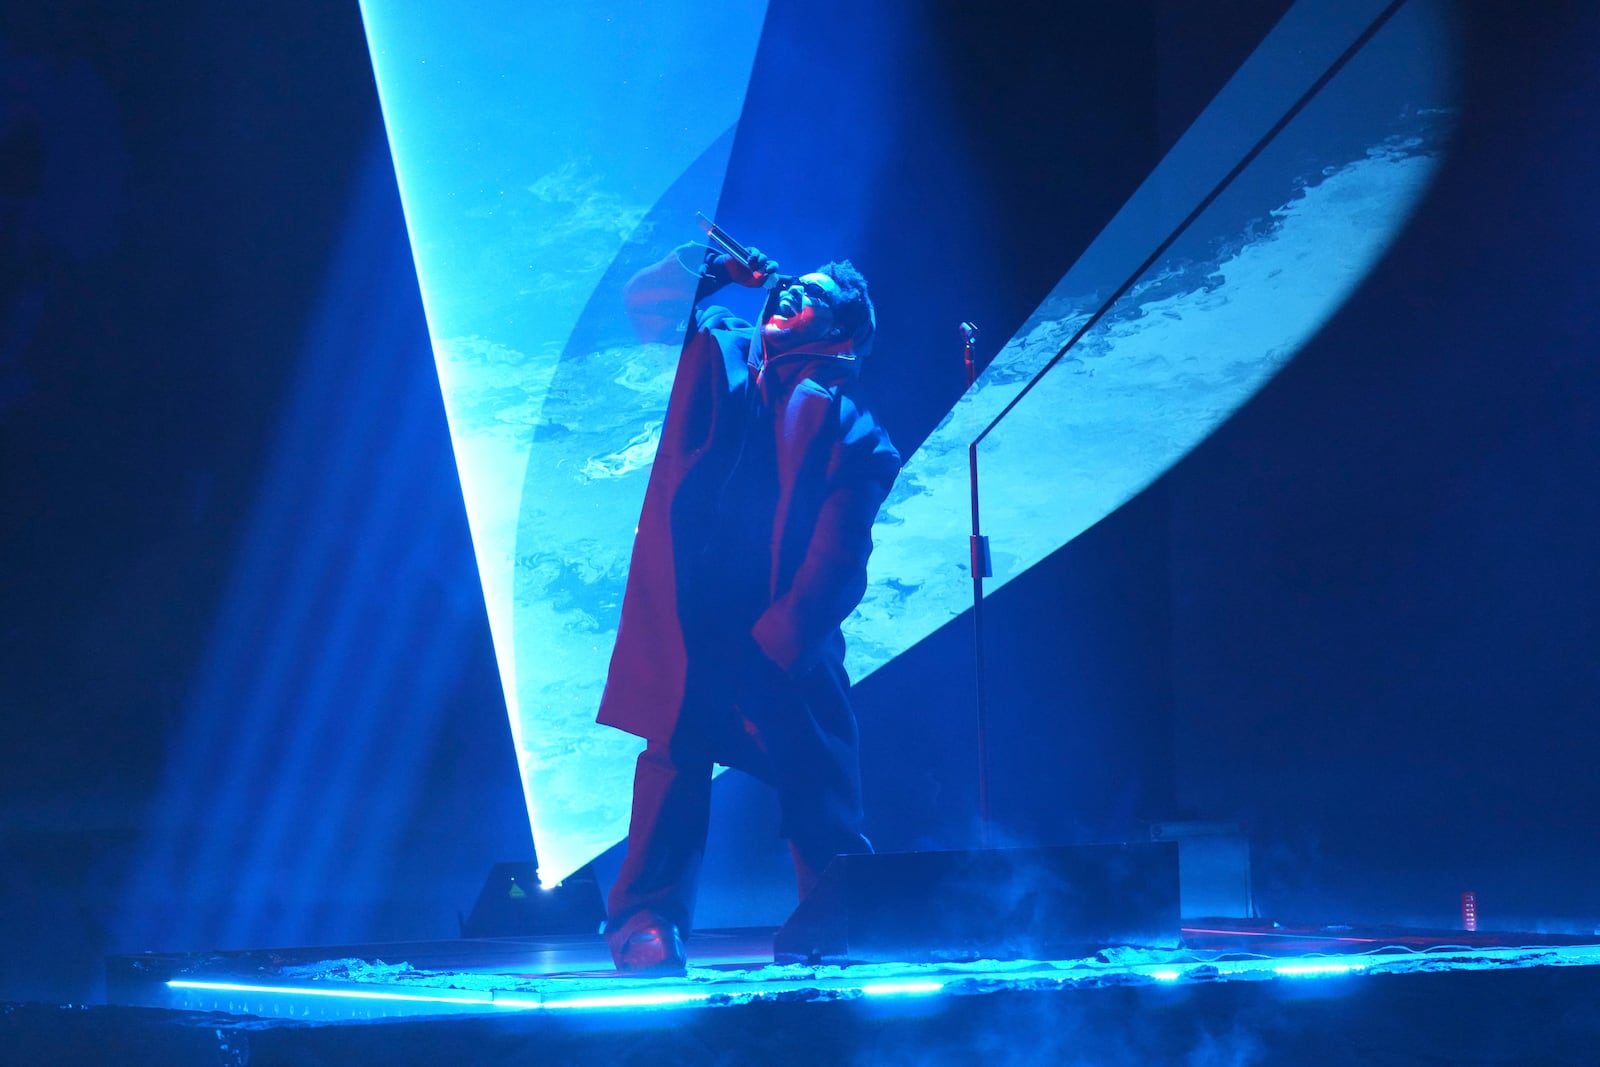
(1313, 969)
(1317, 970)
(630, 1000)
(491, 1000)
(889, 989)
(466, 998)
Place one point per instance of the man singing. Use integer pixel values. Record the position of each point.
(751, 550)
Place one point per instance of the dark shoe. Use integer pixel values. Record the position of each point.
(648, 945)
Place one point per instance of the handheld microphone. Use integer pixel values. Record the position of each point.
(722, 240)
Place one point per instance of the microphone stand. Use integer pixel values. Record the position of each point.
(982, 567)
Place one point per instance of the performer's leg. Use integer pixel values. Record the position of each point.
(815, 765)
(666, 842)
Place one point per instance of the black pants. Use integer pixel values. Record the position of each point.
(803, 744)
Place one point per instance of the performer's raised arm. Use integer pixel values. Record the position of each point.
(660, 296)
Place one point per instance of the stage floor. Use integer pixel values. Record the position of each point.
(731, 968)
(1235, 993)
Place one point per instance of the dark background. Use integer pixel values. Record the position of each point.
(1360, 619)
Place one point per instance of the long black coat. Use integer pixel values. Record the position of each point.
(833, 467)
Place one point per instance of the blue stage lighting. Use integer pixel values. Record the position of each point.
(532, 142)
(629, 1000)
(901, 989)
(1196, 293)
(464, 998)
(307, 732)
(1317, 970)
(535, 176)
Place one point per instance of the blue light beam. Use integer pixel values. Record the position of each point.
(530, 141)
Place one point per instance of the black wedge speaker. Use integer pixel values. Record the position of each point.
(511, 904)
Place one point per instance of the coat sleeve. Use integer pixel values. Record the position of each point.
(832, 577)
(660, 297)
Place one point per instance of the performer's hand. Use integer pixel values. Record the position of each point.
(738, 271)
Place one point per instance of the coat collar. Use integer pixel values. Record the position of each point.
(781, 374)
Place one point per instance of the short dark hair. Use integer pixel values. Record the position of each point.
(853, 312)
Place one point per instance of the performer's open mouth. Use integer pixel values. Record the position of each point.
(787, 307)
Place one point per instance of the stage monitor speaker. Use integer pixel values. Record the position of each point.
(511, 904)
(1062, 902)
(1213, 868)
